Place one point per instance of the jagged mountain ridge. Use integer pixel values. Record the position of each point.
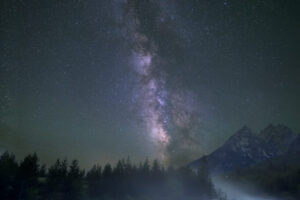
(245, 148)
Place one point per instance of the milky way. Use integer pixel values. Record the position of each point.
(152, 102)
(168, 114)
(151, 94)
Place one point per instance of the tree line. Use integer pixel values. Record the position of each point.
(28, 179)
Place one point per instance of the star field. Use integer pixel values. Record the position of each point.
(101, 80)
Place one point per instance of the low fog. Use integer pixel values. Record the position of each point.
(237, 191)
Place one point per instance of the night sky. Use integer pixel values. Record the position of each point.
(103, 80)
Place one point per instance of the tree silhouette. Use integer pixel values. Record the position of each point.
(28, 178)
(8, 173)
(74, 183)
(56, 180)
(94, 181)
(64, 181)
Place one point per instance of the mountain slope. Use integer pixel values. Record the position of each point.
(245, 149)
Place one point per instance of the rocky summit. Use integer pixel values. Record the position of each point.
(245, 148)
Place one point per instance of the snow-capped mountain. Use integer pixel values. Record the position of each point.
(245, 148)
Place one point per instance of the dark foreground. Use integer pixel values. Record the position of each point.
(146, 181)
(63, 180)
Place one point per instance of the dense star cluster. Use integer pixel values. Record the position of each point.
(151, 93)
(152, 102)
(163, 110)
(172, 80)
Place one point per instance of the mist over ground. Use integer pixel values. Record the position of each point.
(239, 191)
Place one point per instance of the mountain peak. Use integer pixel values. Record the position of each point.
(275, 129)
(244, 132)
(244, 148)
(277, 132)
(277, 137)
(270, 127)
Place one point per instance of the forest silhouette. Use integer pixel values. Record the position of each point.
(28, 179)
